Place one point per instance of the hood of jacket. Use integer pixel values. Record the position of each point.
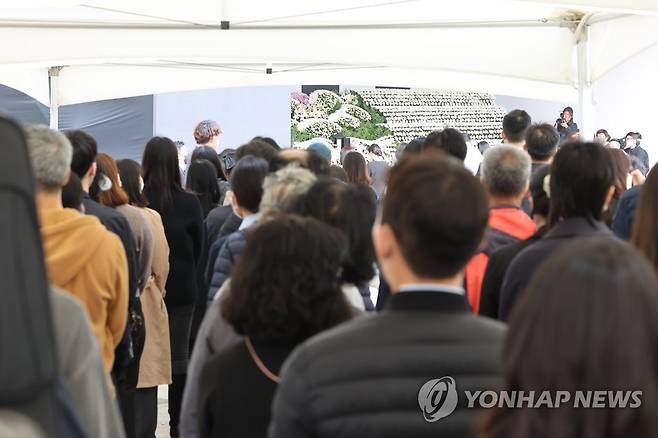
(70, 238)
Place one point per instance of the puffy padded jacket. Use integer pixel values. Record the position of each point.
(363, 378)
(226, 259)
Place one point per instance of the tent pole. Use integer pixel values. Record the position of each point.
(585, 96)
(53, 76)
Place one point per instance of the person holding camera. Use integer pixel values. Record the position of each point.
(565, 125)
(638, 156)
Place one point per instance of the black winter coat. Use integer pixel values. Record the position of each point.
(226, 259)
(215, 220)
(235, 397)
(363, 378)
(526, 263)
(183, 226)
(494, 275)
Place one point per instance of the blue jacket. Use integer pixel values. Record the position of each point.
(226, 259)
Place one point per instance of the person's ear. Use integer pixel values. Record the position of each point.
(234, 204)
(525, 147)
(67, 178)
(91, 173)
(383, 240)
(608, 198)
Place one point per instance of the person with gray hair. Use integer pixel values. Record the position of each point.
(89, 264)
(51, 154)
(506, 173)
(506, 177)
(82, 256)
(281, 187)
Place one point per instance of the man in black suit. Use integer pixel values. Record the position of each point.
(403, 373)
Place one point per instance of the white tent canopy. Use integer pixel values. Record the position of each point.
(552, 49)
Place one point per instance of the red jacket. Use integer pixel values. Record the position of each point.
(506, 225)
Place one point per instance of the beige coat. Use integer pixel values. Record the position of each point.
(155, 365)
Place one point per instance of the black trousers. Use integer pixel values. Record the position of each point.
(180, 322)
(146, 412)
(175, 402)
(126, 368)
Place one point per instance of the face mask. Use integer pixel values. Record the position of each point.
(141, 184)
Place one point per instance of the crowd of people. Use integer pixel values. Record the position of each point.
(279, 294)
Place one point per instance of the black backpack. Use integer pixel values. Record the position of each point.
(29, 378)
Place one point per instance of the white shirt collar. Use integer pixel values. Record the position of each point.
(248, 221)
(431, 287)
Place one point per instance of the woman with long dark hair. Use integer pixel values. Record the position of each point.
(284, 289)
(155, 365)
(202, 181)
(351, 209)
(588, 322)
(182, 218)
(208, 153)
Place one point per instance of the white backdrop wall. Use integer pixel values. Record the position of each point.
(541, 111)
(242, 113)
(626, 100)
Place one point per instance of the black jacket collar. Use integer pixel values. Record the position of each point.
(427, 301)
(577, 226)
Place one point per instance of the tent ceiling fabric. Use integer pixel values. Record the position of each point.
(124, 80)
(115, 49)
